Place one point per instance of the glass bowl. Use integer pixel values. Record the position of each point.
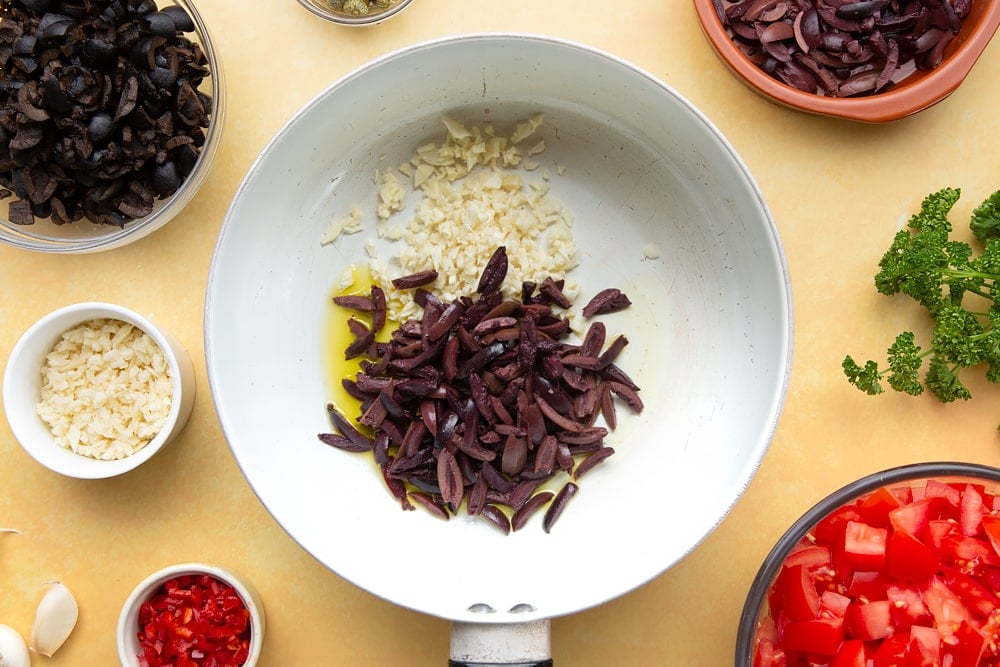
(918, 91)
(84, 236)
(898, 567)
(327, 9)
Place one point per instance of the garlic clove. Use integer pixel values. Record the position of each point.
(55, 619)
(13, 650)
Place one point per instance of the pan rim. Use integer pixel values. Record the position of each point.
(785, 316)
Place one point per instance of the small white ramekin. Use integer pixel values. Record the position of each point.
(128, 620)
(22, 383)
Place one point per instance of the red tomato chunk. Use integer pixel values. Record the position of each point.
(901, 578)
(194, 621)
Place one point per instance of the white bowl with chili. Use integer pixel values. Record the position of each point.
(202, 613)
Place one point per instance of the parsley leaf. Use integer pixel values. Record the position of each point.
(947, 278)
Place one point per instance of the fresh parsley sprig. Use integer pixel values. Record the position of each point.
(958, 288)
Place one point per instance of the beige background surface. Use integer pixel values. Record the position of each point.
(838, 192)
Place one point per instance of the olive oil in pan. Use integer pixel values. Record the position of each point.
(337, 337)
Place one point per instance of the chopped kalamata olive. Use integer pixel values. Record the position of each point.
(342, 442)
(860, 10)
(415, 279)
(428, 502)
(606, 301)
(347, 429)
(843, 48)
(481, 400)
(379, 310)
(552, 290)
(496, 516)
(494, 272)
(530, 507)
(354, 302)
(558, 505)
(591, 461)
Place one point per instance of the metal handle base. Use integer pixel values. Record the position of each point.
(544, 663)
(501, 644)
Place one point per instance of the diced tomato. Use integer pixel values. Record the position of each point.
(830, 529)
(911, 518)
(868, 621)
(964, 648)
(774, 594)
(799, 599)
(991, 526)
(766, 629)
(919, 656)
(991, 630)
(936, 489)
(972, 511)
(977, 598)
(945, 607)
(829, 578)
(821, 636)
(834, 603)
(891, 651)
(909, 559)
(868, 585)
(768, 655)
(904, 493)
(908, 608)
(875, 509)
(864, 545)
(941, 509)
(926, 643)
(810, 555)
(896, 579)
(850, 654)
(938, 530)
(990, 577)
(967, 552)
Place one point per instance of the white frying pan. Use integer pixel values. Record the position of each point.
(710, 330)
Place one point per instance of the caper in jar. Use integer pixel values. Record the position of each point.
(360, 7)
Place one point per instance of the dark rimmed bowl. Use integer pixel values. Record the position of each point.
(756, 607)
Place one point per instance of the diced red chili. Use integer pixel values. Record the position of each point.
(194, 621)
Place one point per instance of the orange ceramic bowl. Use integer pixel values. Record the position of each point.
(916, 92)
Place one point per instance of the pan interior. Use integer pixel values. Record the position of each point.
(709, 328)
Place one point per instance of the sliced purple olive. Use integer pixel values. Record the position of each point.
(843, 39)
(481, 400)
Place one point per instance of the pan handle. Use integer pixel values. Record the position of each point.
(501, 644)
